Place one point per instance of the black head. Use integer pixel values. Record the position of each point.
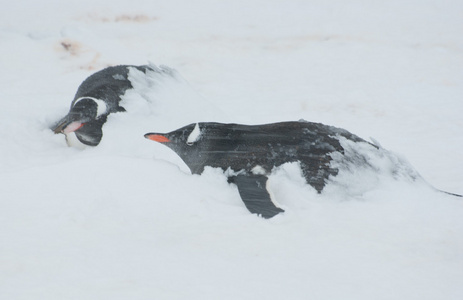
(188, 142)
(216, 145)
(85, 119)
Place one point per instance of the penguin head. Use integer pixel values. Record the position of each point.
(83, 124)
(188, 142)
(184, 139)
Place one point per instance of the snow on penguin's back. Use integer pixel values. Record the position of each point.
(168, 98)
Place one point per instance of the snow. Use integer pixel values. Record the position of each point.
(126, 220)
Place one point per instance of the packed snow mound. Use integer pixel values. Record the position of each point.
(163, 95)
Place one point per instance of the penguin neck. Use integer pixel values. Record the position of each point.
(191, 157)
(73, 141)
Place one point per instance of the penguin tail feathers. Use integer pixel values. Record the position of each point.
(451, 194)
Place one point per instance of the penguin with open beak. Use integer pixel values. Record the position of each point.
(97, 97)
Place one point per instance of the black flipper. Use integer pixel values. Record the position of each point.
(253, 192)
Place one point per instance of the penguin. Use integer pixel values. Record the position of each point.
(96, 98)
(249, 153)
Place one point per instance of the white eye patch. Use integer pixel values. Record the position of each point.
(100, 104)
(194, 135)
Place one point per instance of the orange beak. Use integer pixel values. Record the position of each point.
(157, 138)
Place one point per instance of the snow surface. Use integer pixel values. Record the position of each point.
(126, 220)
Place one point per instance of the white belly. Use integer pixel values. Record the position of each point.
(73, 141)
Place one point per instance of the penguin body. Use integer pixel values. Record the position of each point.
(96, 98)
(249, 153)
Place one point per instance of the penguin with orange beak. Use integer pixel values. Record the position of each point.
(248, 154)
